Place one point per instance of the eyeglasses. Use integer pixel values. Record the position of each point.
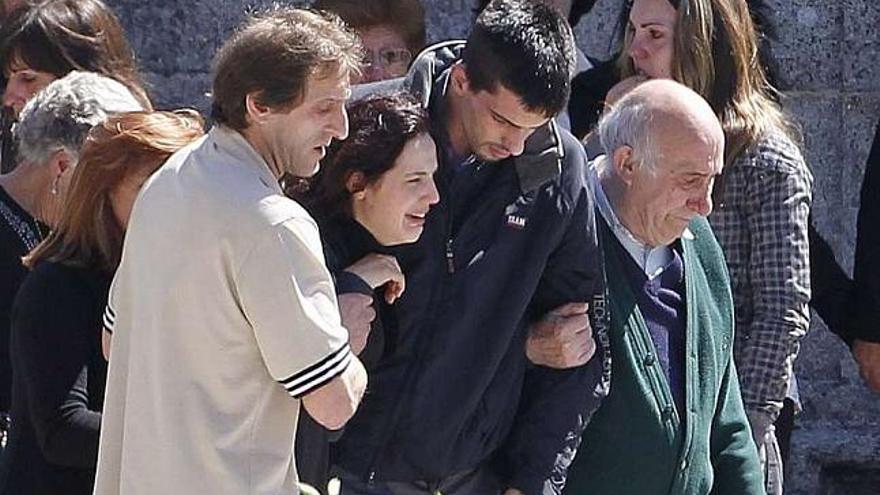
(393, 58)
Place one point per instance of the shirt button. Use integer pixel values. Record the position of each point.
(650, 360)
(684, 465)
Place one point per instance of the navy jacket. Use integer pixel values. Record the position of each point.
(507, 242)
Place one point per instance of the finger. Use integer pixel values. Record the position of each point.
(569, 309)
(569, 326)
(392, 291)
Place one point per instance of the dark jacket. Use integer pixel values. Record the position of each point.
(851, 308)
(345, 242)
(507, 242)
(866, 274)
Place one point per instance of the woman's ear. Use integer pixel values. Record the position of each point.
(356, 184)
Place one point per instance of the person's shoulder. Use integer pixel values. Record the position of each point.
(277, 209)
(774, 151)
(572, 161)
(52, 283)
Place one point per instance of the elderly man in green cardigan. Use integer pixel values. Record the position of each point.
(674, 421)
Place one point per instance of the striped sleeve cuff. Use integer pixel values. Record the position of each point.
(318, 374)
(109, 319)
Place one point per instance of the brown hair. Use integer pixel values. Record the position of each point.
(716, 55)
(60, 36)
(380, 128)
(88, 233)
(406, 17)
(272, 56)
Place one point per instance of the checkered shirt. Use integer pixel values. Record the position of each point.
(762, 205)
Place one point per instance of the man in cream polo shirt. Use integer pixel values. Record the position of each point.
(222, 314)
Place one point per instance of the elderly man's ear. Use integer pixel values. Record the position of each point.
(625, 164)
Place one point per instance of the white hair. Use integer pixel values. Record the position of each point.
(629, 123)
(60, 116)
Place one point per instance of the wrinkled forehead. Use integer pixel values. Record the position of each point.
(329, 81)
(689, 149)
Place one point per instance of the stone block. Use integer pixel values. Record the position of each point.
(596, 33)
(181, 90)
(861, 118)
(820, 116)
(449, 19)
(182, 36)
(808, 45)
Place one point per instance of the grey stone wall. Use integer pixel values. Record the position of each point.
(829, 52)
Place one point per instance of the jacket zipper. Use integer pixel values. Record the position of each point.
(450, 256)
(450, 267)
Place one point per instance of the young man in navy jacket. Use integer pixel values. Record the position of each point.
(488, 366)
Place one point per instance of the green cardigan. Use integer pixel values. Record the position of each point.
(636, 442)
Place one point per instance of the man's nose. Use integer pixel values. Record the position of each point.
(339, 126)
(515, 141)
(702, 205)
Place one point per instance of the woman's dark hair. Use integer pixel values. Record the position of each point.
(579, 8)
(380, 126)
(60, 36)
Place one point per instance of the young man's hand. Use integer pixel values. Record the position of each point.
(562, 339)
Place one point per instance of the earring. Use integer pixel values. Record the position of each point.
(54, 189)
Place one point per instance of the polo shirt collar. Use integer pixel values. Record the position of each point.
(233, 144)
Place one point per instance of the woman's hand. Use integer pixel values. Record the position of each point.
(378, 270)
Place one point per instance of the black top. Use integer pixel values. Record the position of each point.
(588, 90)
(59, 375)
(18, 235)
(345, 242)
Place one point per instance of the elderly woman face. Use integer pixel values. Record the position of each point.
(652, 27)
(387, 55)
